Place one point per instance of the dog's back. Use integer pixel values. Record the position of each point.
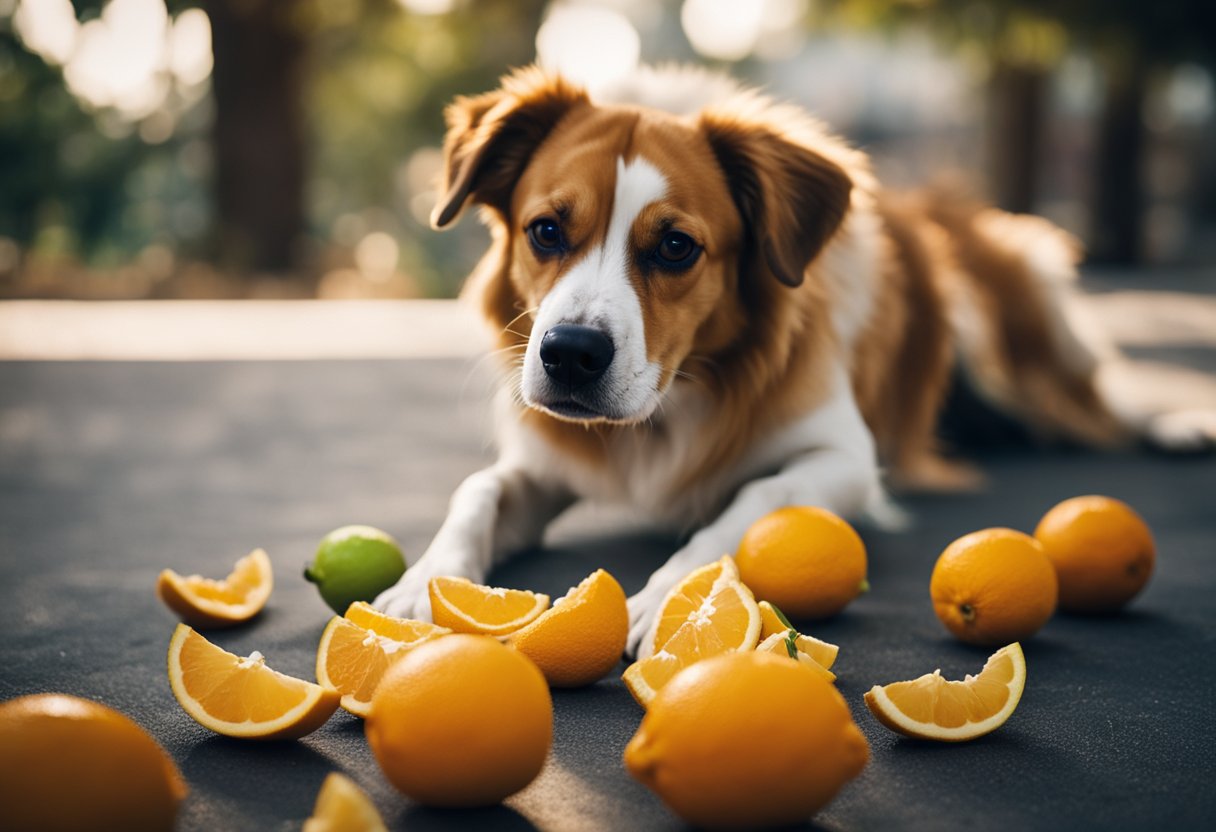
(977, 296)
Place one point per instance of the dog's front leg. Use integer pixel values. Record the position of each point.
(845, 481)
(496, 511)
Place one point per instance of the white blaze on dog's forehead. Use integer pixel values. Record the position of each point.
(597, 291)
(638, 184)
(604, 272)
(601, 278)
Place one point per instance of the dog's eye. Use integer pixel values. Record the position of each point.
(546, 236)
(676, 251)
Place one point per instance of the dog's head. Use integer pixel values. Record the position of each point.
(630, 238)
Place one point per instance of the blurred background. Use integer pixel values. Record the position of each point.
(288, 148)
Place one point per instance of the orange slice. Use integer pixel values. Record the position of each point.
(785, 643)
(207, 603)
(466, 607)
(580, 639)
(772, 621)
(727, 620)
(932, 708)
(343, 807)
(242, 697)
(686, 597)
(351, 659)
(399, 629)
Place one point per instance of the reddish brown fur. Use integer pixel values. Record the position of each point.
(902, 364)
(1026, 370)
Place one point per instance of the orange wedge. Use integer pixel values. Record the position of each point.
(581, 637)
(785, 643)
(399, 629)
(727, 620)
(772, 621)
(207, 603)
(343, 807)
(242, 697)
(466, 607)
(686, 597)
(932, 708)
(351, 658)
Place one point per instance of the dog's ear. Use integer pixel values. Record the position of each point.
(791, 198)
(491, 137)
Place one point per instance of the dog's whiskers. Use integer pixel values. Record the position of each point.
(507, 329)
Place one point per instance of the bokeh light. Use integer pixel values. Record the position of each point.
(589, 44)
(48, 28)
(726, 30)
(427, 7)
(127, 58)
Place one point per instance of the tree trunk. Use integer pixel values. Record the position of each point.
(1117, 210)
(258, 137)
(1017, 94)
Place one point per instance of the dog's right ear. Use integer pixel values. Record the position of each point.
(491, 137)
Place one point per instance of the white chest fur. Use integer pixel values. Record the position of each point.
(644, 467)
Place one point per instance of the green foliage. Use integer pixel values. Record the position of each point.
(380, 80)
(57, 173)
(83, 183)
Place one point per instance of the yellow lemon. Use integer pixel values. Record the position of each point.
(747, 740)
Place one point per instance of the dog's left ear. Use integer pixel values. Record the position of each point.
(791, 198)
(491, 137)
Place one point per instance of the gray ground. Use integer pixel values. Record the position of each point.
(111, 471)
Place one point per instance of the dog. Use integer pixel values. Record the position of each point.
(708, 309)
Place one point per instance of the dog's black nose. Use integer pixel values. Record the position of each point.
(575, 355)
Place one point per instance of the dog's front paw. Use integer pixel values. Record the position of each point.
(643, 620)
(409, 597)
(1183, 431)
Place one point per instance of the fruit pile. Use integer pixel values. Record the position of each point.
(743, 726)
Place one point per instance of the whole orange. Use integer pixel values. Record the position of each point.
(1102, 550)
(747, 740)
(461, 721)
(804, 560)
(993, 587)
(68, 763)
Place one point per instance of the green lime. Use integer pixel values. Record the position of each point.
(355, 563)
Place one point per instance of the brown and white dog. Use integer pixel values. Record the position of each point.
(709, 309)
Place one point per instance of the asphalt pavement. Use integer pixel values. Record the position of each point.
(111, 471)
